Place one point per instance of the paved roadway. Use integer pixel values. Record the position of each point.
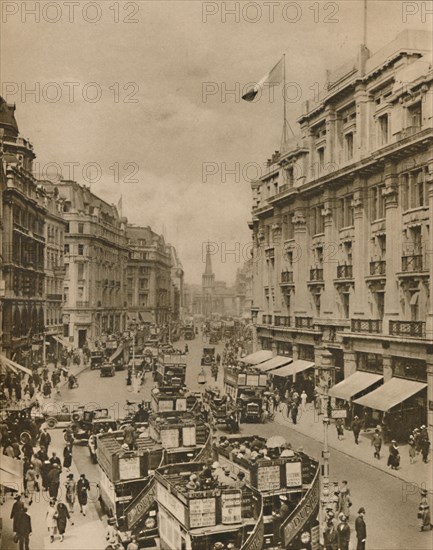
(391, 512)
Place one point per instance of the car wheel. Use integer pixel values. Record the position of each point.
(25, 437)
(51, 422)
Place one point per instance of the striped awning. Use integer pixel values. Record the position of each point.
(392, 393)
(356, 383)
(257, 357)
(275, 362)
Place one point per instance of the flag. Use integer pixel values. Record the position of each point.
(274, 76)
(119, 206)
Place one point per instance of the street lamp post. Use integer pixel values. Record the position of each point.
(326, 373)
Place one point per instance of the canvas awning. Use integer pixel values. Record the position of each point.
(11, 473)
(356, 383)
(62, 342)
(292, 368)
(257, 357)
(13, 366)
(392, 393)
(275, 362)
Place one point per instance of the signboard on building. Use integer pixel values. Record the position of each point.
(165, 406)
(181, 404)
(170, 438)
(293, 474)
(188, 436)
(338, 413)
(129, 467)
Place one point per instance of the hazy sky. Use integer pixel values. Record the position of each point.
(149, 100)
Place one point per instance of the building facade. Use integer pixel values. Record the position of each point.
(177, 285)
(148, 281)
(95, 256)
(23, 246)
(342, 224)
(55, 227)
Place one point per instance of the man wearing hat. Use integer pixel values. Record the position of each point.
(343, 533)
(330, 535)
(356, 428)
(284, 509)
(17, 509)
(361, 529)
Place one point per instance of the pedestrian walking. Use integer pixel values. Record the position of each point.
(24, 529)
(424, 512)
(361, 530)
(83, 486)
(304, 398)
(54, 481)
(330, 536)
(425, 444)
(45, 439)
(343, 533)
(377, 443)
(294, 412)
(17, 508)
(412, 449)
(62, 517)
(51, 519)
(67, 457)
(345, 502)
(356, 428)
(30, 478)
(70, 491)
(55, 460)
(394, 456)
(339, 425)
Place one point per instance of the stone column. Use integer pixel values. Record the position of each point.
(362, 120)
(301, 265)
(359, 251)
(393, 247)
(295, 351)
(331, 241)
(331, 139)
(387, 368)
(349, 363)
(429, 252)
(430, 395)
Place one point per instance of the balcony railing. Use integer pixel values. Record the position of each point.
(316, 274)
(371, 326)
(286, 277)
(416, 329)
(267, 319)
(303, 322)
(378, 267)
(55, 297)
(282, 321)
(344, 272)
(81, 303)
(412, 263)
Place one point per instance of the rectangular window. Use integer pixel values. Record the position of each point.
(345, 207)
(348, 142)
(383, 129)
(81, 250)
(66, 249)
(415, 116)
(80, 271)
(321, 158)
(81, 228)
(377, 203)
(345, 302)
(369, 362)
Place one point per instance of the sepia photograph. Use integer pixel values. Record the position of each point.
(216, 274)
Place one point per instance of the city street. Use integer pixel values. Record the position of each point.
(390, 503)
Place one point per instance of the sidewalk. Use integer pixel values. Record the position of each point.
(311, 425)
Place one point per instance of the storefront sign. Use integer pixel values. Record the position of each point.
(306, 509)
(141, 504)
(338, 413)
(293, 474)
(129, 467)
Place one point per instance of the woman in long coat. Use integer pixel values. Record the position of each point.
(62, 519)
(394, 456)
(50, 519)
(67, 456)
(30, 483)
(71, 488)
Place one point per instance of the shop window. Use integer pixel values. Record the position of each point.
(410, 369)
(306, 352)
(369, 362)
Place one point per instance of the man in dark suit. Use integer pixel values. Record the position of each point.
(361, 529)
(16, 511)
(24, 529)
(343, 533)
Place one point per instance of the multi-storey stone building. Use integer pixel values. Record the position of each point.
(343, 220)
(23, 246)
(95, 255)
(55, 227)
(148, 282)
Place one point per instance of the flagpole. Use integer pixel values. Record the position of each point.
(365, 24)
(284, 101)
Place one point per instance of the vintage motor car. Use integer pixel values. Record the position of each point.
(208, 357)
(91, 422)
(96, 359)
(107, 369)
